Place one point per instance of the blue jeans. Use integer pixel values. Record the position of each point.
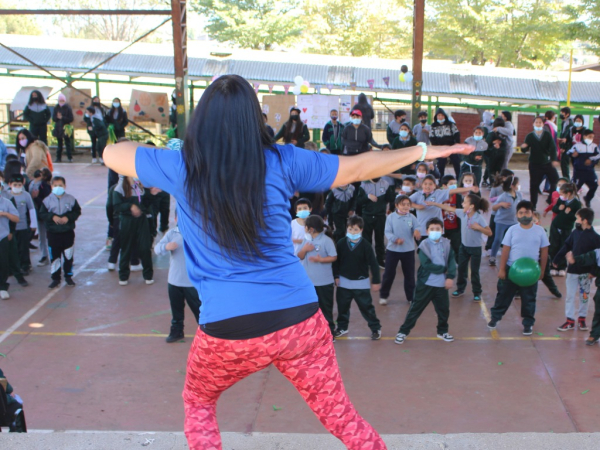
(499, 233)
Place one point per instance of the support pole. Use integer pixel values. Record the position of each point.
(569, 86)
(417, 63)
(179, 17)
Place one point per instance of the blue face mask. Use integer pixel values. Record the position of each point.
(452, 186)
(403, 133)
(353, 237)
(303, 214)
(441, 121)
(538, 128)
(477, 138)
(356, 121)
(58, 190)
(334, 118)
(435, 235)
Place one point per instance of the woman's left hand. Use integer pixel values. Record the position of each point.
(443, 151)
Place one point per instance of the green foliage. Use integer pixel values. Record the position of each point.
(585, 22)
(255, 24)
(514, 33)
(17, 24)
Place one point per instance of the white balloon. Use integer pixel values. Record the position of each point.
(408, 77)
(296, 90)
(298, 80)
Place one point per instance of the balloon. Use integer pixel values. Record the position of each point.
(408, 77)
(404, 68)
(296, 90)
(524, 272)
(298, 80)
(304, 89)
(306, 83)
(401, 77)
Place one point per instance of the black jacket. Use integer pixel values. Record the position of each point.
(444, 133)
(579, 242)
(59, 124)
(120, 122)
(356, 140)
(367, 110)
(354, 263)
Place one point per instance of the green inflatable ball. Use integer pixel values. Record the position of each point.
(524, 272)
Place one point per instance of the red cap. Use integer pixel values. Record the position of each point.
(356, 112)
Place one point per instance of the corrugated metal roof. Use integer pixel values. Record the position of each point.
(266, 67)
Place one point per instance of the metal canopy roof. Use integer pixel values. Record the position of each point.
(280, 68)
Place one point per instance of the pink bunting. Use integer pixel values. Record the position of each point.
(371, 83)
(386, 80)
(353, 85)
(270, 88)
(287, 88)
(256, 86)
(330, 87)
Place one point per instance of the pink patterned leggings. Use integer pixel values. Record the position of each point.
(303, 353)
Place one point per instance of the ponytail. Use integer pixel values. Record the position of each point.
(317, 223)
(479, 203)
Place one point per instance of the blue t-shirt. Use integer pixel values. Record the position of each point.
(231, 288)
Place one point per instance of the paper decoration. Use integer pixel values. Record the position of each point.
(149, 107)
(78, 102)
(286, 87)
(22, 97)
(318, 89)
(353, 85)
(315, 109)
(277, 107)
(330, 87)
(386, 80)
(270, 88)
(256, 86)
(371, 83)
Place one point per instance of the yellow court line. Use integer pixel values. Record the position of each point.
(345, 338)
(488, 317)
(89, 202)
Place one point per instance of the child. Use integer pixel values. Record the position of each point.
(467, 180)
(180, 288)
(451, 222)
(351, 274)
(133, 204)
(582, 240)
(374, 196)
(585, 156)
(99, 129)
(8, 213)
(555, 195)
(472, 163)
(317, 254)
(434, 279)
(340, 205)
(473, 227)
(498, 147)
(495, 192)
(303, 210)
(547, 278)
(562, 225)
(422, 130)
(592, 260)
(506, 213)
(405, 138)
(409, 186)
(39, 191)
(401, 230)
(60, 211)
(27, 221)
(524, 240)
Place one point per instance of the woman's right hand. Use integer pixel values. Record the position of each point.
(443, 151)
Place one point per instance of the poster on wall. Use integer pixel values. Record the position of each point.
(22, 97)
(346, 104)
(79, 101)
(149, 107)
(315, 109)
(277, 109)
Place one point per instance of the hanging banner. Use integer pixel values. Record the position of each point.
(353, 85)
(286, 87)
(386, 80)
(149, 107)
(270, 88)
(371, 83)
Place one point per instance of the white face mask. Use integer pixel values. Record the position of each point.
(406, 189)
(17, 190)
(588, 141)
(468, 185)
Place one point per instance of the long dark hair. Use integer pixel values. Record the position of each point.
(225, 162)
(39, 99)
(119, 109)
(288, 136)
(318, 224)
(30, 138)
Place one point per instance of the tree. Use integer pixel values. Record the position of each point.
(585, 24)
(255, 24)
(17, 24)
(514, 33)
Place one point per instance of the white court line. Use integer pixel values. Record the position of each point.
(45, 300)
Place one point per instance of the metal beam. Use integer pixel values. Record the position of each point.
(86, 12)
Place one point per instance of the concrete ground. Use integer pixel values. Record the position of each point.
(93, 357)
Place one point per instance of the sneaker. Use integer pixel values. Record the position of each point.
(136, 268)
(381, 266)
(556, 293)
(562, 273)
(112, 266)
(527, 331)
(338, 333)
(383, 301)
(43, 262)
(4, 295)
(69, 281)
(23, 282)
(591, 341)
(94, 160)
(477, 298)
(123, 282)
(32, 247)
(553, 272)
(149, 281)
(457, 293)
(446, 337)
(101, 161)
(568, 325)
(581, 324)
(517, 296)
(492, 324)
(376, 335)
(400, 338)
(55, 283)
(175, 335)
(487, 253)
(70, 160)
(492, 262)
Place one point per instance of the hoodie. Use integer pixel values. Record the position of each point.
(332, 137)
(445, 133)
(487, 120)
(367, 110)
(356, 140)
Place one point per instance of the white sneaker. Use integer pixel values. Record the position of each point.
(400, 338)
(4, 295)
(136, 268)
(94, 160)
(383, 301)
(123, 283)
(149, 281)
(553, 273)
(446, 337)
(488, 253)
(112, 266)
(101, 161)
(562, 273)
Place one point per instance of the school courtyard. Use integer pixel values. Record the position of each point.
(93, 358)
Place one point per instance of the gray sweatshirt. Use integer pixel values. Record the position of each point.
(401, 227)
(178, 275)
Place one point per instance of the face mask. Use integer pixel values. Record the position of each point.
(353, 237)
(538, 128)
(468, 185)
(588, 141)
(307, 237)
(435, 235)
(96, 103)
(406, 188)
(518, 188)
(402, 120)
(334, 118)
(525, 220)
(17, 190)
(303, 214)
(562, 117)
(441, 121)
(356, 121)
(58, 190)
(295, 117)
(563, 198)
(423, 121)
(557, 188)
(87, 115)
(61, 103)
(477, 138)
(421, 175)
(116, 104)
(578, 124)
(23, 142)
(402, 213)
(403, 133)
(578, 226)
(453, 186)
